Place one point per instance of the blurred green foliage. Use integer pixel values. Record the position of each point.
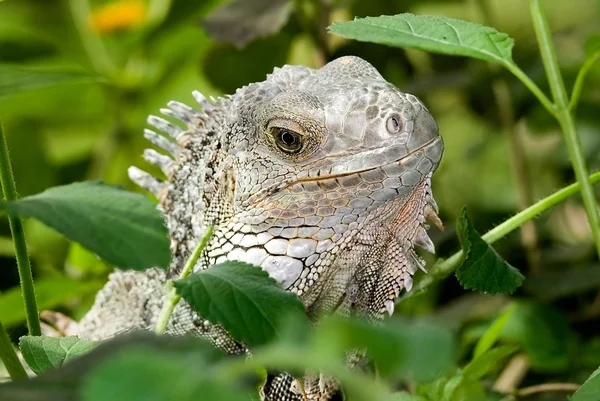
(79, 77)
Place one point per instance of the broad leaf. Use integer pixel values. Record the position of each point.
(482, 268)
(242, 21)
(431, 33)
(44, 353)
(122, 227)
(66, 382)
(242, 298)
(156, 375)
(16, 79)
(49, 293)
(590, 389)
(484, 363)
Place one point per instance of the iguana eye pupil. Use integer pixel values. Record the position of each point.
(393, 125)
(288, 141)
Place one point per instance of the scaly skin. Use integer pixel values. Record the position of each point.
(321, 177)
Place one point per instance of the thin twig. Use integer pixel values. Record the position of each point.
(564, 116)
(512, 375)
(18, 235)
(9, 356)
(172, 298)
(546, 387)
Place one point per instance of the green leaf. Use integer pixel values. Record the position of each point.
(15, 79)
(242, 21)
(431, 33)
(489, 338)
(156, 375)
(484, 363)
(590, 389)
(49, 293)
(122, 227)
(66, 382)
(482, 268)
(242, 298)
(44, 353)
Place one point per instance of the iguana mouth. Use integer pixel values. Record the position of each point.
(262, 195)
(340, 175)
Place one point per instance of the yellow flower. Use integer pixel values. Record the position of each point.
(118, 15)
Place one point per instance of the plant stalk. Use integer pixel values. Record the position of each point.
(9, 357)
(565, 118)
(173, 298)
(18, 235)
(444, 267)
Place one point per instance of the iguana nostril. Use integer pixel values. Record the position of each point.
(393, 125)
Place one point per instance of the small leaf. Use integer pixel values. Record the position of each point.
(15, 79)
(482, 268)
(242, 298)
(592, 45)
(122, 227)
(590, 389)
(491, 335)
(44, 353)
(431, 33)
(49, 293)
(484, 363)
(241, 22)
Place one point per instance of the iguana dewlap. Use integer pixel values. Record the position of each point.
(320, 177)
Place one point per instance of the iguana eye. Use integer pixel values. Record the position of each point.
(393, 125)
(287, 140)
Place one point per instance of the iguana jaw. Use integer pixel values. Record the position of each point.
(413, 166)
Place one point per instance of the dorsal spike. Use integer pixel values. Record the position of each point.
(164, 162)
(147, 181)
(162, 142)
(163, 125)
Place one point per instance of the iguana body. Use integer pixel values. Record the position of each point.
(321, 177)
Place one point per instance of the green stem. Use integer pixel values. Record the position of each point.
(565, 118)
(18, 235)
(445, 267)
(524, 78)
(172, 297)
(9, 356)
(578, 86)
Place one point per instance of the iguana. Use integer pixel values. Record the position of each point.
(322, 177)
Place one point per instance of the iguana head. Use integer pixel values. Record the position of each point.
(310, 174)
(342, 132)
